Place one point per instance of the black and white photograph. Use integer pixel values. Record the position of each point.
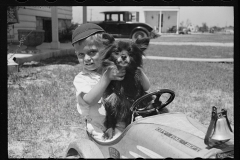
(120, 82)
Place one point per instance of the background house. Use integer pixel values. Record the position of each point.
(160, 18)
(229, 30)
(39, 18)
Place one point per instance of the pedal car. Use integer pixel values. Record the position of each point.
(174, 135)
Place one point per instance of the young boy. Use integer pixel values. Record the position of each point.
(91, 82)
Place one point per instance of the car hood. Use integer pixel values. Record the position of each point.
(182, 135)
(178, 121)
(173, 135)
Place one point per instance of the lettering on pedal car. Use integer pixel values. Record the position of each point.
(114, 153)
(189, 145)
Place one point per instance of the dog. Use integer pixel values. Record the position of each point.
(120, 95)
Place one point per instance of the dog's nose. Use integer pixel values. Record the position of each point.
(124, 57)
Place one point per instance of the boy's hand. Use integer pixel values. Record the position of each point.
(141, 69)
(144, 79)
(112, 73)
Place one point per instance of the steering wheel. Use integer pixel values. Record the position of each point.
(156, 105)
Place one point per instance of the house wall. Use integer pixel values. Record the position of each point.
(27, 17)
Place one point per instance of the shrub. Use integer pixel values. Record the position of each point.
(65, 35)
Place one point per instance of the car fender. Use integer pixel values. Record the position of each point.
(84, 148)
(140, 28)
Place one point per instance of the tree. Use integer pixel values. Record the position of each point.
(181, 24)
(217, 29)
(188, 22)
(65, 35)
(203, 28)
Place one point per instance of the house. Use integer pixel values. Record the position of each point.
(229, 30)
(160, 18)
(40, 18)
(191, 28)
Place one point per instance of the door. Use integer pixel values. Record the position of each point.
(47, 27)
(152, 18)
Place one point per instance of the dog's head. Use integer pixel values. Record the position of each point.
(126, 54)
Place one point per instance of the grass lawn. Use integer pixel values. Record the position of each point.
(190, 51)
(221, 38)
(198, 86)
(42, 114)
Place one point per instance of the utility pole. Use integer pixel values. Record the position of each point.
(84, 14)
(91, 15)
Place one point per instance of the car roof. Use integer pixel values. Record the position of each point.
(116, 12)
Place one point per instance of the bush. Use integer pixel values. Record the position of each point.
(204, 28)
(65, 35)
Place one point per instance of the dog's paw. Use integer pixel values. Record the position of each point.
(109, 133)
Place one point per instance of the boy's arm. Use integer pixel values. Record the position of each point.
(95, 94)
(144, 80)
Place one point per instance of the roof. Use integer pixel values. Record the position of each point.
(114, 12)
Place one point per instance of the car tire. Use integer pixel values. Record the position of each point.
(139, 34)
(83, 148)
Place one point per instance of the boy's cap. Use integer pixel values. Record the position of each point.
(84, 31)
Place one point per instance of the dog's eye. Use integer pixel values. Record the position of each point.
(116, 53)
(129, 49)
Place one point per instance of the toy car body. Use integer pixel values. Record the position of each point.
(120, 25)
(174, 135)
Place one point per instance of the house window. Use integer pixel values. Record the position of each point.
(39, 24)
(10, 32)
(63, 24)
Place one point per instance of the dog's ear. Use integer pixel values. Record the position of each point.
(142, 43)
(106, 52)
(107, 39)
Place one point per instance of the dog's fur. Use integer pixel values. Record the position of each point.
(120, 95)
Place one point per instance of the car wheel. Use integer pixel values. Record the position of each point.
(139, 34)
(83, 148)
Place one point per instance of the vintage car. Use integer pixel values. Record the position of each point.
(184, 30)
(162, 135)
(120, 25)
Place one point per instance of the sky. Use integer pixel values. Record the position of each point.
(220, 16)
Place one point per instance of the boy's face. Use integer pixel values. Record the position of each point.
(88, 55)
